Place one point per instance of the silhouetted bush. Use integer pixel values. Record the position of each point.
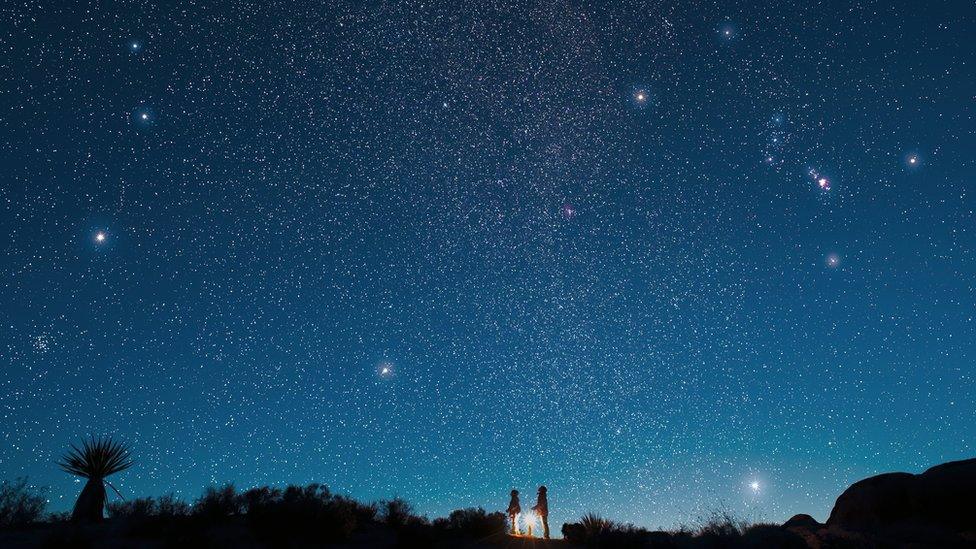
(365, 513)
(218, 503)
(473, 523)
(20, 503)
(397, 512)
(722, 524)
(308, 513)
(58, 517)
(596, 531)
(416, 532)
(297, 515)
(133, 508)
(594, 525)
(574, 533)
(411, 530)
(590, 530)
(171, 506)
(165, 506)
(258, 498)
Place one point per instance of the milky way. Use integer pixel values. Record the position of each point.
(665, 259)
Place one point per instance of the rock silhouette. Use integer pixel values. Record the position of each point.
(943, 497)
(802, 521)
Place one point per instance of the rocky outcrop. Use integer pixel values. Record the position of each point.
(943, 498)
(807, 528)
(803, 522)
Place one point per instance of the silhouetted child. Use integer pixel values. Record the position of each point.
(542, 509)
(514, 508)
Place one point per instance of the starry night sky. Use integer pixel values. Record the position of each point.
(646, 253)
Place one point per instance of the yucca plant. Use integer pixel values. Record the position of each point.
(95, 460)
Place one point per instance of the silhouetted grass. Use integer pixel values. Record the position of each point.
(719, 530)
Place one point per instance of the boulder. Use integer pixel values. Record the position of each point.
(943, 497)
(802, 522)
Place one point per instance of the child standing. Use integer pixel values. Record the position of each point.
(542, 509)
(514, 508)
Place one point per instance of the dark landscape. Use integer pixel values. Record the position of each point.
(931, 509)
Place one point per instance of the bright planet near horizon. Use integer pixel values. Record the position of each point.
(664, 259)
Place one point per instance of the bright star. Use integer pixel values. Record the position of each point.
(912, 160)
(754, 485)
(640, 97)
(143, 116)
(100, 237)
(832, 260)
(727, 32)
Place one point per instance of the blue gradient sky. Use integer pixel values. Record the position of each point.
(590, 244)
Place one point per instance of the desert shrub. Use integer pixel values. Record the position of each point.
(595, 531)
(475, 523)
(594, 526)
(721, 524)
(218, 502)
(58, 517)
(171, 506)
(397, 512)
(573, 533)
(306, 513)
(164, 518)
(256, 499)
(365, 513)
(20, 503)
(417, 531)
(133, 508)
(166, 506)
(411, 530)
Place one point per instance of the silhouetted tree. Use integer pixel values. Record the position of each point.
(97, 459)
